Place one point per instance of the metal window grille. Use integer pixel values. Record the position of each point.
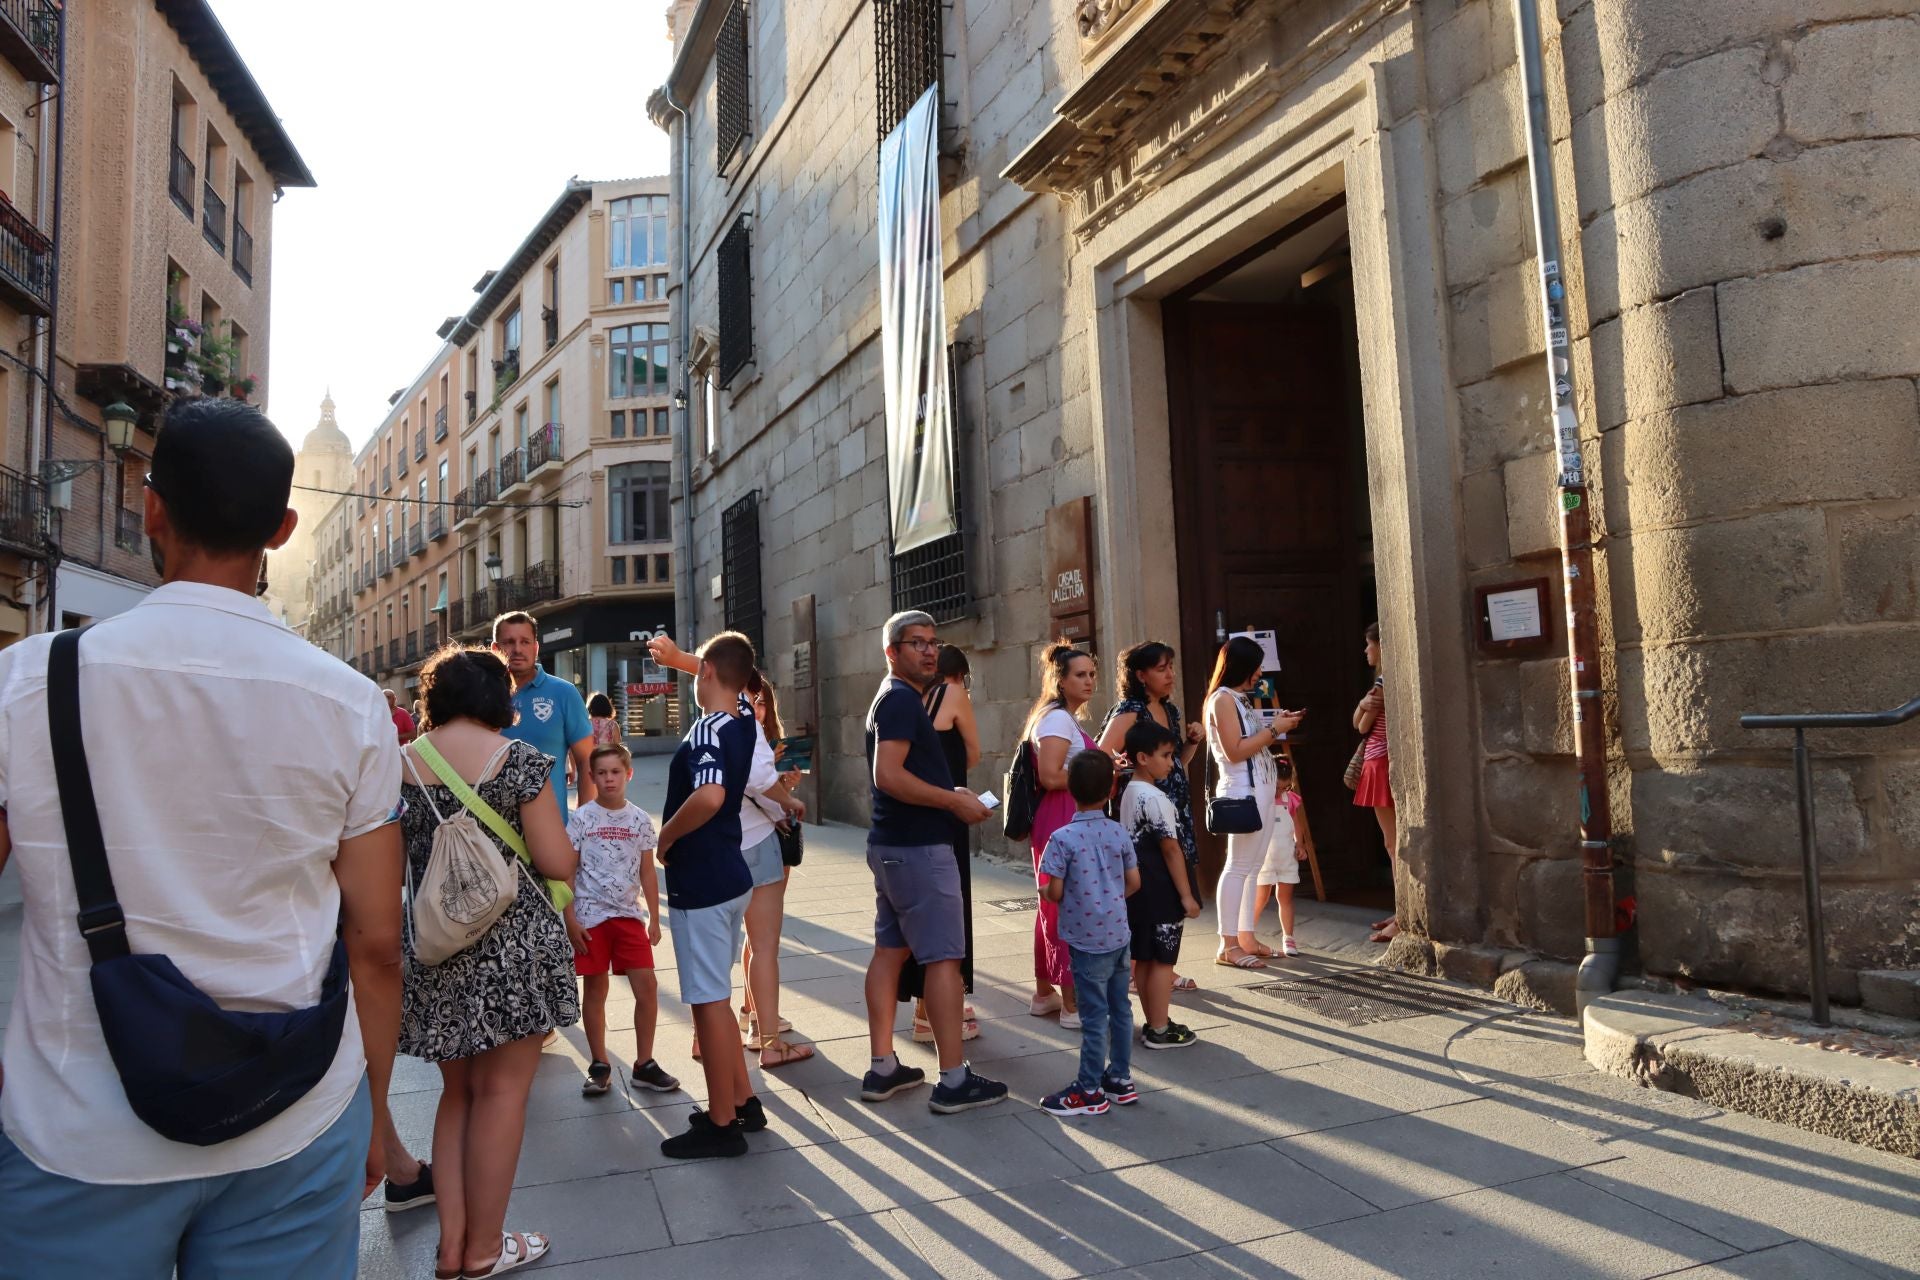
(730, 79)
(907, 54)
(740, 569)
(933, 577)
(736, 301)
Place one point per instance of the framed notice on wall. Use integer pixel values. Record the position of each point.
(1515, 617)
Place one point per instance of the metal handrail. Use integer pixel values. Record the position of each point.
(1800, 722)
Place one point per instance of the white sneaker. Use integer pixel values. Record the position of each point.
(1288, 946)
(1041, 1006)
(1070, 1019)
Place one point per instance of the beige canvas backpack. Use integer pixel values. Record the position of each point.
(467, 885)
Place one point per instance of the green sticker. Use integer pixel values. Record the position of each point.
(1569, 501)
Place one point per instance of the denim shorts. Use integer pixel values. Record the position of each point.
(917, 900)
(763, 861)
(706, 942)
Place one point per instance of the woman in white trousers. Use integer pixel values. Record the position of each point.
(1243, 769)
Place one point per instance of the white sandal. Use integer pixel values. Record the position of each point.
(517, 1248)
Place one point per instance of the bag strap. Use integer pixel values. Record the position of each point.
(102, 923)
(467, 796)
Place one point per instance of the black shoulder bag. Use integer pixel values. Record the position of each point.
(192, 1071)
(1023, 794)
(1231, 815)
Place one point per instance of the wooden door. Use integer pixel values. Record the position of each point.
(1262, 407)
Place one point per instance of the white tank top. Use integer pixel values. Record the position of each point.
(1248, 776)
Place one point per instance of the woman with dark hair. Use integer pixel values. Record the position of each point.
(481, 1013)
(1053, 732)
(1375, 791)
(766, 909)
(950, 706)
(606, 730)
(1240, 747)
(1145, 684)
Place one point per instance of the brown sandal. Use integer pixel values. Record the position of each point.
(789, 1052)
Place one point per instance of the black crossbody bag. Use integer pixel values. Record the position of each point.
(1231, 815)
(192, 1071)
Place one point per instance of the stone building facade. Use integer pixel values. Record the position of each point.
(1258, 278)
(322, 471)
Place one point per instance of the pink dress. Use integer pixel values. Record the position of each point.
(1052, 961)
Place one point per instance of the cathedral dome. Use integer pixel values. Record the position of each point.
(326, 436)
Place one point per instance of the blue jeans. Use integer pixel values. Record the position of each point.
(1106, 1015)
(300, 1217)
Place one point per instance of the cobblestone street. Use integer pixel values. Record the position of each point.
(1441, 1134)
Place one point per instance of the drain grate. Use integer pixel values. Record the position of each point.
(1011, 905)
(1355, 997)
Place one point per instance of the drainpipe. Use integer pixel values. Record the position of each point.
(683, 588)
(1601, 965)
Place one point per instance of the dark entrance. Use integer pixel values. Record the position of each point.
(1272, 514)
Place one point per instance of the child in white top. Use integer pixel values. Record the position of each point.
(610, 932)
(1280, 871)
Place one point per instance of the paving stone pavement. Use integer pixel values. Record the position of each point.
(1458, 1137)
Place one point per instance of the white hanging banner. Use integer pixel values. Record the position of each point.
(913, 330)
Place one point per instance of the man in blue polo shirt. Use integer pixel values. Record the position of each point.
(553, 716)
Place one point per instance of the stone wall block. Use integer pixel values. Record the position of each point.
(1740, 815)
(1502, 711)
(1696, 693)
(1855, 80)
(1879, 557)
(1534, 805)
(1533, 513)
(1483, 503)
(1552, 906)
(1656, 357)
(1703, 114)
(1765, 572)
(1547, 701)
(1515, 324)
(1505, 416)
(1847, 200)
(1845, 442)
(1459, 52)
(1488, 228)
(1638, 39)
(1822, 323)
(1482, 133)
(1900, 781)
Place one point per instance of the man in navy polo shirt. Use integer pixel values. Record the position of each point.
(708, 886)
(553, 716)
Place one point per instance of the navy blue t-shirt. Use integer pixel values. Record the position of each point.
(704, 867)
(898, 715)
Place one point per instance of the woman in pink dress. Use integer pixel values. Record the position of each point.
(1375, 791)
(1055, 734)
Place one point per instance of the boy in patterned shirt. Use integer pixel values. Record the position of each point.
(610, 932)
(1157, 913)
(1089, 868)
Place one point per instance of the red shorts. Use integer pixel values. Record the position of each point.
(615, 945)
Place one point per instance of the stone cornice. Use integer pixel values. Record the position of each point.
(1177, 84)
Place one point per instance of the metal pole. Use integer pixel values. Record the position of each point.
(1576, 538)
(1810, 880)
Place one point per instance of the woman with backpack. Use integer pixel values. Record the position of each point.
(480, 1011)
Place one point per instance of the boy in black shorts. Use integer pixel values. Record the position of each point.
(1166, 899)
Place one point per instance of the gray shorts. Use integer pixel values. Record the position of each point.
(918, 904)
(706, 942)
(763, 861)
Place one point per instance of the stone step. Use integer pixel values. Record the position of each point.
(1894, 992)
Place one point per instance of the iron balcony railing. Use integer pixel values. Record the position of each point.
(242, 250)
(26, 260)
(510, 593)
(416, 539)
(20, 503)
(367, 667)
(479, 610)
(542, 582)
(386, 479)
(482, 490)
(413, 647)
(393, 653)
(1809, 852)
(509, 472)
(180, 178)
(437, 523)
(430, 638)
(420, 445)
(456, 617)
(462, 508)
(400, 457)
(30, 37)
(440, 423)
(380, 564)
(543, 448)
(129, 530)
(213, 217)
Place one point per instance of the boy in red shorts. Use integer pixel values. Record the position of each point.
(610, 932)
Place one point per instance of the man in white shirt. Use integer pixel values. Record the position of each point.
(247, 786)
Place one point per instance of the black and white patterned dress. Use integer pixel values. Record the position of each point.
(517, 980)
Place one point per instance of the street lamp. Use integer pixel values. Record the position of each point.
(680, 398)
(494, 566)
(121, 418)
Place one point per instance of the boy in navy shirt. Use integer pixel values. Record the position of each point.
(708, 885)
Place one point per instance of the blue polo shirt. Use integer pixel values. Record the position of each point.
(552, 717)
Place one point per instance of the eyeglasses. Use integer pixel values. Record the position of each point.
(922, 645)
